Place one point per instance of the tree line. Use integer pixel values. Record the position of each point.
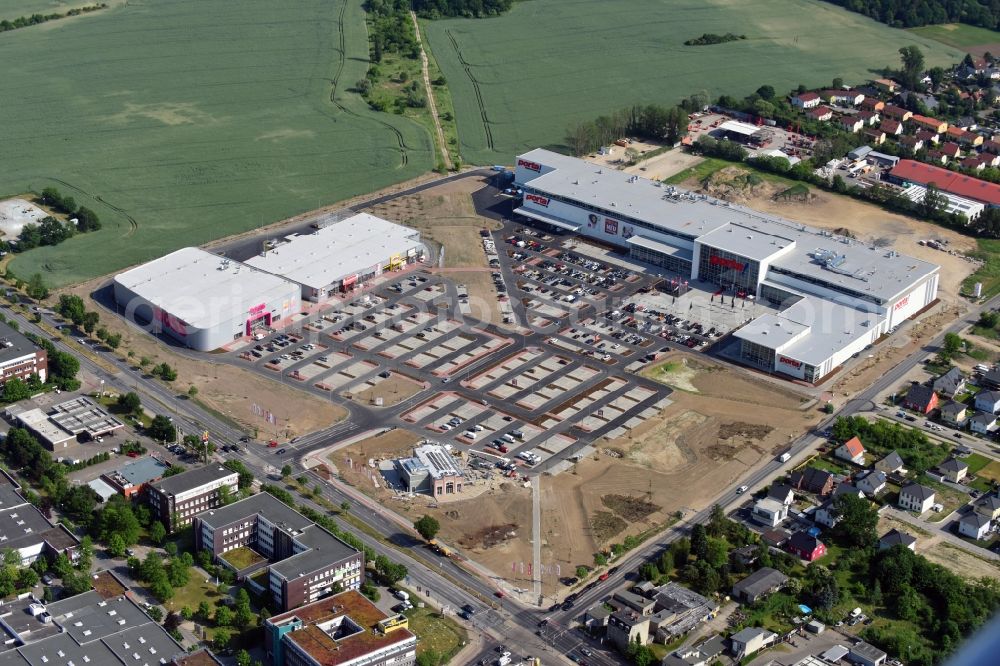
(468, 8)
(913, 13)
(51, 231)
(653, 122)
(712, 38)
(35, 19)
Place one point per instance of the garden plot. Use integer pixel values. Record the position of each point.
(428, 357)
(505, 367)
(451, 366)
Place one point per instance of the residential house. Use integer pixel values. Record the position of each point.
(886, 85)
(812, 480)
(891, 127)
(964, 137)
(988, 159)
(874, 135)
(896, 538)
(746, 556)
(807, 100)
(777, 537)
(896, 113)
(847, 489)
(892, 463)
(921, 399)
(769, 512)
(864, 654)
(993, 146)
(750, 641)
(953, 469)
(983, 422)
(950, 383)
(954, 413)
(596, 617)
(870, 118)
(700, 655)
(872, 104)
(971, 162)
(991, 379)
(826, 514)
(843, 97)
(871, 483)
(937, 157)
(806, 546)
(916, 498)
(933, 124)
(678, 611)
(820, 113)
(988, 401)
(988, 505)
(758, 585)
(782, 492)
(851, 123)
(927, 136)
(967, 123)
(852, 451)
(974, 525)
(951, 149)
(913, 143)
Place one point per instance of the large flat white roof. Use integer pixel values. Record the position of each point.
(199, 287)
(860, 268)
(339, 250)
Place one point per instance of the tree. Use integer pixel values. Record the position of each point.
(116, 545)
(220, 643)
(15, 389)
(204, 611)
(699, 541)
(582, 572)
(157, 533)
(766, 92)
(130, 402)
(192, 391)
(114, 340)
(242, 658)
(858, 524)
(162, 429)
(223, 616)
(36, 288)
(155, 613)
(913, 65)
(90, 321)
(837, 83)
(427, 527)
(164, 372)
(87, 220)
(243, 614)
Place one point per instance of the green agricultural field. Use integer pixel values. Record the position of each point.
(959, 35)
(181, 121)
(520, 80)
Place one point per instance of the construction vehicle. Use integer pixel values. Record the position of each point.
(439, 548)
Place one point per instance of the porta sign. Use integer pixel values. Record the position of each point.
(901, 303)
(538, 199)
(257, 309)
(790, 362)
(533, 166)
(737, 266)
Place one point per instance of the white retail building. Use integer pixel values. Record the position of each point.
(833, 296)
(341, 256)
(203, 300)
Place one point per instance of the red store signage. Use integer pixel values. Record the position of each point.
(901, 302)
(533, 166)
(728, 263)
(790, 361)
(535, 198)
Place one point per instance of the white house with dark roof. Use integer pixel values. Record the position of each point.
(988, 401)
(988, 505)
(871, 483)
(983, 422)
(953, 469)
(891, 464)
(974, 525)
(949, 383)
(916, 498)
(954, 413)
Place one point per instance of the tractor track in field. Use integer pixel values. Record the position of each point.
(475, 86)
(133, 226)
(404, 157)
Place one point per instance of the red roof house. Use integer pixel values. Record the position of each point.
(806, 100)
(890, 126)
(820, 113)
(959, 184)
(951, 149)
(852, 450)
(806, 547)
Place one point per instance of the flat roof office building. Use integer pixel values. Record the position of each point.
(176, 499)
(306, 561)
(834, 295)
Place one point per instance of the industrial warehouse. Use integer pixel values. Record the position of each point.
(832, 296)
(205, 301)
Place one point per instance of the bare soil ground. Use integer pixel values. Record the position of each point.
(490, 523)
(227, 389)
(931, 546)
(715, 435)
(393, 391)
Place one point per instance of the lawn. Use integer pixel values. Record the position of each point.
(699, 171)
(436, 632)
(520, 80)
(989, 273)
(192, 594)
(181, 121)
(959, 35)
(977, 461)
(986, 476)
(946, 496)
(243, 557)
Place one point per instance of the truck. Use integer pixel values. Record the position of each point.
(785, 457)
